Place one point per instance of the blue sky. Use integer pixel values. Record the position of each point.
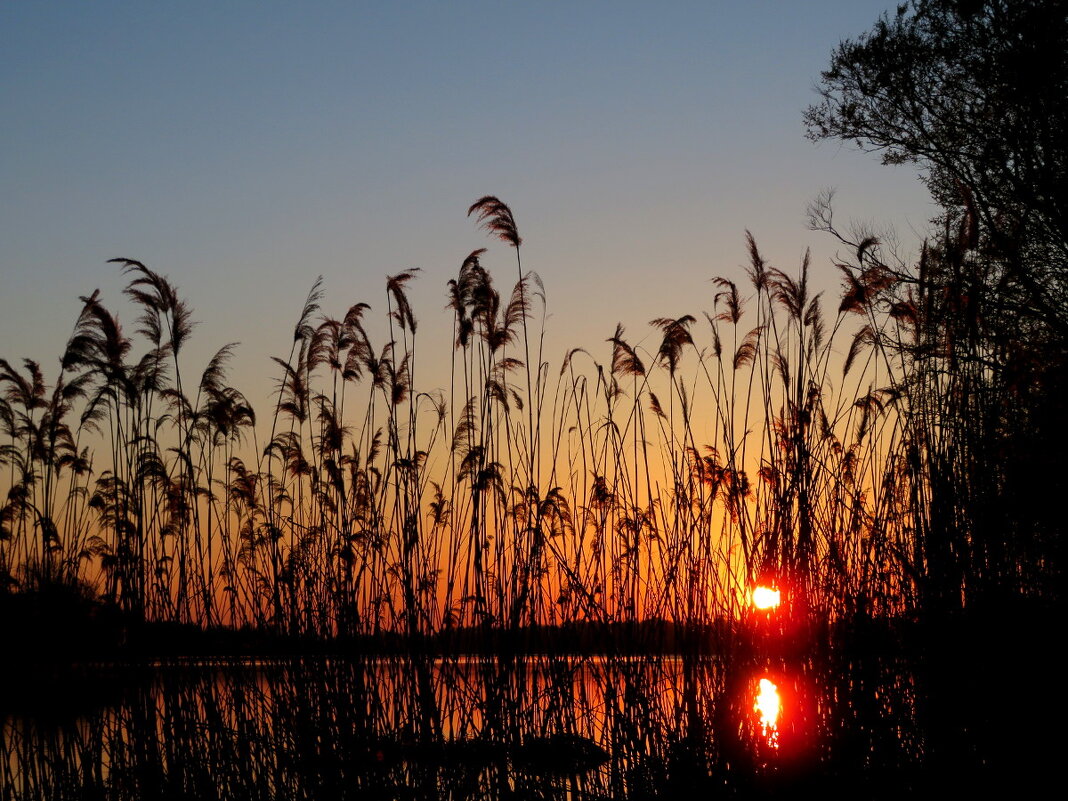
(245, 148)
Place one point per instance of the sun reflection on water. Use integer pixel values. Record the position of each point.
(767, 705)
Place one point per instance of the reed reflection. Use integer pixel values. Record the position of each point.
(541, 727)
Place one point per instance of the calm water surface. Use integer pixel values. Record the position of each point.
(478, 728)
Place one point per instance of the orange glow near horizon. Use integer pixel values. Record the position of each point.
(767, 705)
(765, 598)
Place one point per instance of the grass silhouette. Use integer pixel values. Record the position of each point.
(653, 485)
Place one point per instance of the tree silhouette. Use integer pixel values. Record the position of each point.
(975, 93)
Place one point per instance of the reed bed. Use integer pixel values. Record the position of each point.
(621, 484)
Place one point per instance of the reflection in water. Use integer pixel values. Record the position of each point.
(547, 728)
(767, 706)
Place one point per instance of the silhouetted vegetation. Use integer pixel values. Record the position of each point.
(649, 485)
(535, 581)
(974, 92)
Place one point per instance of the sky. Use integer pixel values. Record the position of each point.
(244, 148)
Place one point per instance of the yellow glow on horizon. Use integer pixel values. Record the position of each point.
(768, 705)
(765, 598)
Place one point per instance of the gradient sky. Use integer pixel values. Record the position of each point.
(243, 148)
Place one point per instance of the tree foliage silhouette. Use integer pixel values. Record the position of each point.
(976, 93)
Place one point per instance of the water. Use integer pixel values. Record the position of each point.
(479, 728)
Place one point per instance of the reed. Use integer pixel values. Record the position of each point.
(627, 485)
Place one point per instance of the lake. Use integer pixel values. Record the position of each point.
(540, 727)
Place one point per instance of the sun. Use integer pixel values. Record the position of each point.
(765, 598)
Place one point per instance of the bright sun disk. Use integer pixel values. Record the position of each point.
(765, 598)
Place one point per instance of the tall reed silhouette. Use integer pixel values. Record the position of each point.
(638, 485)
